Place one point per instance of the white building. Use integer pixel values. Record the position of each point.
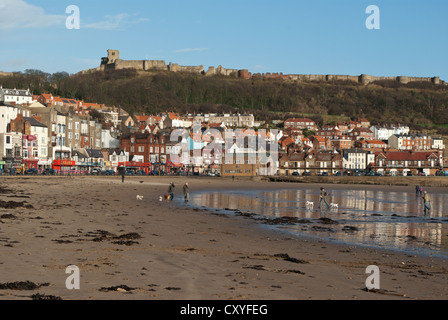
(10, 145)
(384, 133)
(437, 144)
(16, 96)
(40, 131)
(357, 159)
(7, 114)
(110, 116)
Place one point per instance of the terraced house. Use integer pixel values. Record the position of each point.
(408, 163)
(315, 163)
(302, 124)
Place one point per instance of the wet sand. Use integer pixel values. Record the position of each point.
(152, 250)
(374, 217)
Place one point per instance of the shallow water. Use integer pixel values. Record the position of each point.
(379, 218)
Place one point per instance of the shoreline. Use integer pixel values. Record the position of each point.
(282, 226)
(182, 253)
(433, 182)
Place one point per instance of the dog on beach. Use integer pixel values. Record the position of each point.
(165, 196)
(309, 204)
(334, 206)
(139, 198)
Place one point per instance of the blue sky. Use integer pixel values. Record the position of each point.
(289, 36)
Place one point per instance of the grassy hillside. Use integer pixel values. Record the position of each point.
(422, 105)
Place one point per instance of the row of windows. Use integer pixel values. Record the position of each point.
(141, 149)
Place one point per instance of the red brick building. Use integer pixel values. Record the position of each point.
(151, 147)
(361, 133)
(303, 123)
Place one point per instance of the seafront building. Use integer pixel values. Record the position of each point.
(75, 136)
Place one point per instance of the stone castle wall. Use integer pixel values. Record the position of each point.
(114, 62)
(174, 67)
(5, 74)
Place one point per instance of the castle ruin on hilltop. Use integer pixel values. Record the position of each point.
(113, 62)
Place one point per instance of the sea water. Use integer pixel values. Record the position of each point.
(380, 218)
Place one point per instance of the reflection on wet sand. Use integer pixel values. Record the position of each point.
(389, 219)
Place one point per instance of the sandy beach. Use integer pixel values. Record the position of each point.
(150, 250)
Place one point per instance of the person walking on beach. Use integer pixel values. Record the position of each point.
(427, 201)
(417, 190)
(323, 197)
(186, 192)
(171, 190)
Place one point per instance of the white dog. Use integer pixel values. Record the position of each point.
(140, 198)
(309, 204)
(334, 206)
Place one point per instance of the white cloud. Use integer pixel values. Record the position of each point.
(17, 14)
(14, 63)
(259, 67)
(190, 50)
(115, 22)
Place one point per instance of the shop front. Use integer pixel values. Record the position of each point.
(29, 164)
(43, 164)
(136, 167)
(174, 168)
(12, 165)
(62, 166)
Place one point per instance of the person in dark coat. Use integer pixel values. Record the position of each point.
(171, 190)
(186, 192)
(323, 198)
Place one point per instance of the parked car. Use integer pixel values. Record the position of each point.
(95, 171)
(378, 174)
(295, 173)
(130, 172)
(32, 172)
(306, 174)
(108, 172)
(49, 172)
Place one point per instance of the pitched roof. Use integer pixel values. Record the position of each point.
(94, 153)
(299, 120)
(407, 155)
(142, 118)
(34, 122)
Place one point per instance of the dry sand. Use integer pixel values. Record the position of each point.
(163, 251)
